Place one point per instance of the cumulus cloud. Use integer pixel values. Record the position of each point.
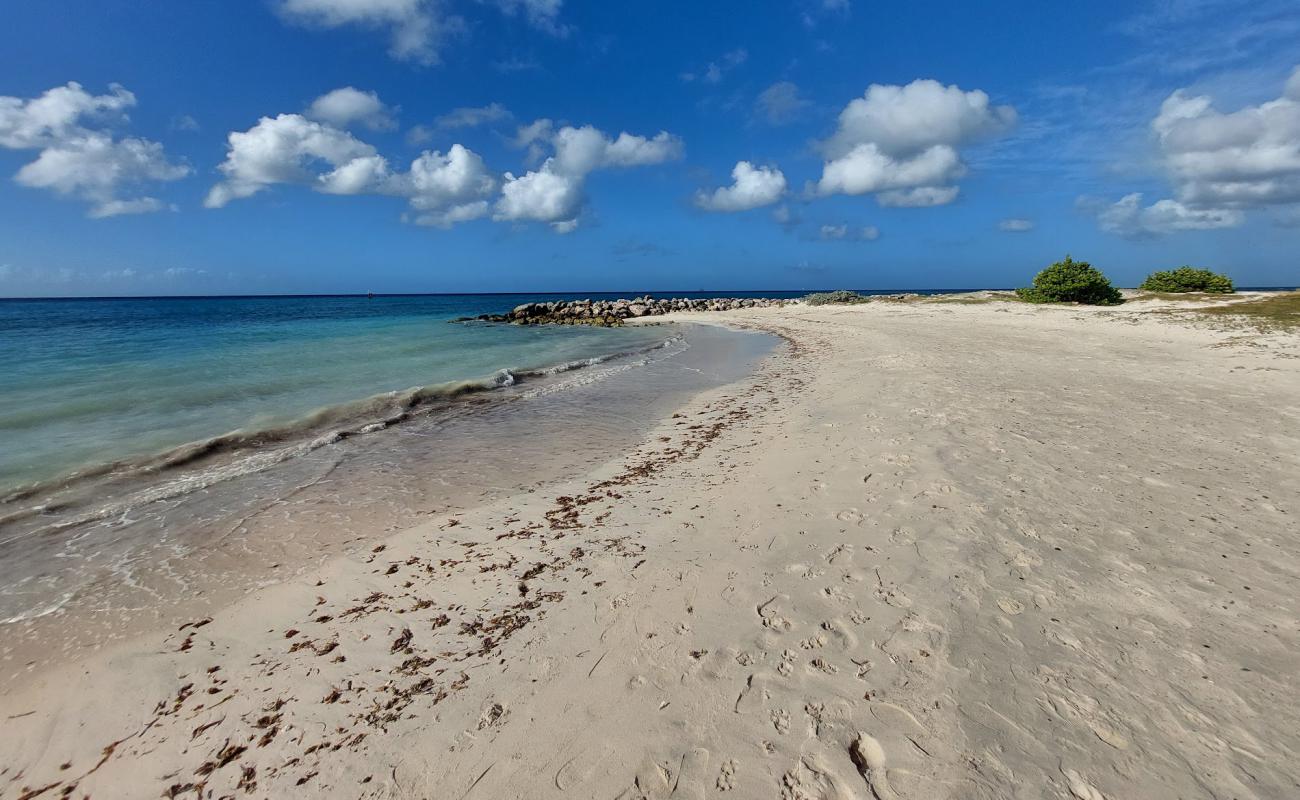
(901, 142)
(347, 106)
(1129, 218)
(553, 193)
(442, 189)
(77, 160)
(1242, 159)
(1016, 225)
(751, 187)
(1220, 165)
(780, 103)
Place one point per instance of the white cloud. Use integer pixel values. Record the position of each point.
(867, 169)
(920, 197)
(1016, 225)
(542, 195)
(902, 141)
(1220, 165)
(780, 103)
(279, 150)
(472, 117)
(751, 187)
(843, 232)
(449, 188)
(80, 161)
(1247, 158)
(553, 193)
(1127, 217)
(343, 107)
(414, 27)
(442, 189)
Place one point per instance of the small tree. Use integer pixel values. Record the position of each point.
(1071, 281)
(1188, 279)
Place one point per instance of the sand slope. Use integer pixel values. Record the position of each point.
(928, 551)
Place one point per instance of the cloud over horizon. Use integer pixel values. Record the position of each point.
(85, 162)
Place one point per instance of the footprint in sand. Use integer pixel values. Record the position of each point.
(1079, 787)
(902, 536)
(869, 757)
(781, 720)
(851, 516)
(1010, 606)
(691, 779)
(578, 770)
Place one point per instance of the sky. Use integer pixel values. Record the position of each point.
(325, 146)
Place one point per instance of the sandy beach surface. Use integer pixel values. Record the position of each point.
(928, 550)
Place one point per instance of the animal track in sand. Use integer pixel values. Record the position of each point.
(811, 778)
(727, 776)
(781, 720)
(771, 614)
(837, 594)
(787, 663)
(813, 642)
(842, 552)
(822, 665)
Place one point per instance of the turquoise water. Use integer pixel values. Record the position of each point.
(337, 447)
(88, 382)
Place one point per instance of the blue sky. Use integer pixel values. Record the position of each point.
(408, 146)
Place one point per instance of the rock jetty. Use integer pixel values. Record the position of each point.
(612, 313)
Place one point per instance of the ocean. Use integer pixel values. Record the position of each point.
(165, 451)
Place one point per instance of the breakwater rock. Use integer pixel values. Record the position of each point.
(614, 312)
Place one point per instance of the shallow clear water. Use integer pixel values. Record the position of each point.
(91, 381)
(97, 554)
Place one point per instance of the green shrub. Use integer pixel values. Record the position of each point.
(1188, 279)
(1071, 281)
(839, 297)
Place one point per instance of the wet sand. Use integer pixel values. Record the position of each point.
(928, 550)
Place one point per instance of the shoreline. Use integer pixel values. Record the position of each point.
(211, 540)
(888, 531)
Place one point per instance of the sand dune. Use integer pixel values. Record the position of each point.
(928, 551)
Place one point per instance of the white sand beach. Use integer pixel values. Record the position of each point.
(928, 550)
